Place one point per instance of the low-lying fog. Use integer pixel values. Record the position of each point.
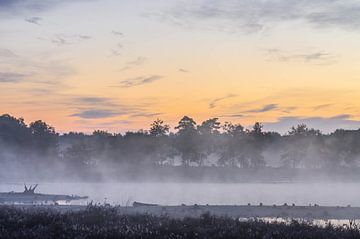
(324, 194)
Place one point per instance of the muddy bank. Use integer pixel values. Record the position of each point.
(299, 212)
(305, 212)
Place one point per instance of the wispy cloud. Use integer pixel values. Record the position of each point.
(84, 37)
(16, 7)
(255, 15)
(6, 53)
(10, 77)
(115, 52)
(138, 61)
(63, 39)
(183, 70)
(96, 114)
(288, 109)
(89, 103)
(232, 116)
(134, 63)
(317, 57)
(34, 70)
(263, 109)
(34, 20)
(145, 115)
(113, 123)
(60, 41)
(92, 100)
(137, 81)
(323, 106)
(93, 107)
(20, 5)
(117, 33)
(213, 103)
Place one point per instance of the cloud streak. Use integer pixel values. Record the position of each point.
(145, 115)
(10, 77)
(232, 116)
(62, 39)
(141, 80)
(265, 108)
(117, 33)
(317, 57)
(92, 100)
(34, 20)
(130, 64)
(35, 70)
(256, 15)
(138, 61)
(5, 53)
(92, 107)
(213, 103)
(183, 70)
(323, 106)
(96, 114)
(16, 7)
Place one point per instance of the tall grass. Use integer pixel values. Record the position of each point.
(106, 222)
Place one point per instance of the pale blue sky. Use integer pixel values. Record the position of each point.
(118, 65)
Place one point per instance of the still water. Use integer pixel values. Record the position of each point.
(323, 194)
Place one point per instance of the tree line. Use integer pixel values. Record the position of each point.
(207, 144)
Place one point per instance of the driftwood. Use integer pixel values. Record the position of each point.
(29, 196)
(140, 204)
(30, 190)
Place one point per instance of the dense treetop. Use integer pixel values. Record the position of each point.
(190, 144)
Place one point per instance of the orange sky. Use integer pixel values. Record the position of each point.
(277, 62)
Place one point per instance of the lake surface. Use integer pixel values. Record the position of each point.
(323, 194)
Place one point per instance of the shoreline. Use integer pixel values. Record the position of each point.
(196, 211)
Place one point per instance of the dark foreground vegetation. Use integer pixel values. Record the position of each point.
(215, 147)
(105, 222)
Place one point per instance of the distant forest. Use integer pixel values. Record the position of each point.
(209, 144)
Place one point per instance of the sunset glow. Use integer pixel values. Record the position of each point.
(118, 65)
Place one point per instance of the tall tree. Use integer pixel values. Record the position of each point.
(161, 149)
(15, 138)
(255, 145)
(45, 139)
(159, 128)
(232, 153)
(208, 138)
(186, 141)
(297, 148)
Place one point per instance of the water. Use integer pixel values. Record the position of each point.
(323, 194)
(318, 222)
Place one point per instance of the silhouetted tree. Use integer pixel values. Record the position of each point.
(232, 149)
(78, 156)
(255, 146)
(225, 145)
(161, 148)
(186, 142)
(300, 139)
(208, 138)
(45, 140)
(342, 148)
(15, 137)
(158, 128)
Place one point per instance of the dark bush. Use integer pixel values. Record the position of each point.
(106, 222)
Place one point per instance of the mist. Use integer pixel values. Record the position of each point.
(207, 163)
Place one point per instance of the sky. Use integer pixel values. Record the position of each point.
(118, 65)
